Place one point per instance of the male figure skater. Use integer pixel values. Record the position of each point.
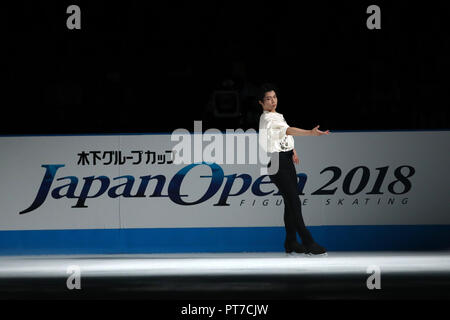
(280, 139)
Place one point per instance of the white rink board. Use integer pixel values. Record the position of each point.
(426, 201)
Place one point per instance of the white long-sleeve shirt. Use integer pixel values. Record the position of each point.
(272, 133)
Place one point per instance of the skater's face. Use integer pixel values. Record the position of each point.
(270, 101)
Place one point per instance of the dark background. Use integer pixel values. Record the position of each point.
(149, 66)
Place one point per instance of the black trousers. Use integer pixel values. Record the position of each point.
(286, 181)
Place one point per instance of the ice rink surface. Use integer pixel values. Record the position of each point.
(271, 275)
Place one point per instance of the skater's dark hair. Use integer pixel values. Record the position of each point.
(266, 87)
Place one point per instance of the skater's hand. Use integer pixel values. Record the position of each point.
(295, 158)
(317, 132)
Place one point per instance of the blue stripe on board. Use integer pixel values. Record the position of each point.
(245, 239)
